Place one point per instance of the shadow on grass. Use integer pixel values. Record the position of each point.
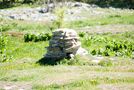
(49, 61)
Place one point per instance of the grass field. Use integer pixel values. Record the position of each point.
(112, 73)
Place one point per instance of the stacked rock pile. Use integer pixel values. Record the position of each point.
(64, 44)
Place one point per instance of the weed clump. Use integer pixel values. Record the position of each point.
(105, 63)
(106, 45)
(3, 49)
(35, 38)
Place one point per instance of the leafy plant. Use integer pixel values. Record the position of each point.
(3, 49)
(107, 46)
(58, 23)
(81, 34)
(39, 37)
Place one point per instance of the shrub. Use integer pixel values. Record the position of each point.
(107, 46)
(81, 34)
(3, 49)
(58, 23)
(35, 38)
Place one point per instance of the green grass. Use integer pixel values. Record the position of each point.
(19, 49)
(109, 44)
(79, 73)
(82, 84)
(82, 74)
(90, 84)
(110, 19)
(24, 26)
(68, 77)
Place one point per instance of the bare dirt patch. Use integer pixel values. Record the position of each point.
(15, 85)
(117, 87)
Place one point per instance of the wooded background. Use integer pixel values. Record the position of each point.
(102, 3)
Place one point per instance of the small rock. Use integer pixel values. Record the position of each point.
(12, 17)
(43, 10)
(77, 4)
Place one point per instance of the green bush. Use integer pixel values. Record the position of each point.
(3, 49)
(35, 38)
(81, 34)
(58, 23)
(106, 45)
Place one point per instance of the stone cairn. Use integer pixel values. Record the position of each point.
(64, 44)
